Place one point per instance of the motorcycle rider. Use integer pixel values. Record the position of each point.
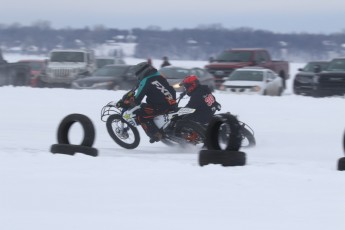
(201, 99)
(160, 98)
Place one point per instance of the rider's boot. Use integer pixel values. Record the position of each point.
(156, 137)
(152, 131)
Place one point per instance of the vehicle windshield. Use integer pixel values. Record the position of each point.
(115, 71)
(67, 57)
(173, 73)
(234, 56)
(104, 61)
(246, 76)
(37, 66)
(310, 67)
(336, 65)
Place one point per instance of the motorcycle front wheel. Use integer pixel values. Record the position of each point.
(123, 133)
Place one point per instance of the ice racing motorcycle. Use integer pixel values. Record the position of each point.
(122, 125)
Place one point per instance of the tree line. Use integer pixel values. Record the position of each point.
(199, 43)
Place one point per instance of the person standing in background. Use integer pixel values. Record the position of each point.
(2, 60)
(149, 61)
(165, 61)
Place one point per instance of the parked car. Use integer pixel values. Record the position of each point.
(175, 75)
(67, 65)
(16, 74)
(304, 79)
(253, 80)
(37, 68)
(230, 59)
(106, 60)
(111, 77)
(331, 81)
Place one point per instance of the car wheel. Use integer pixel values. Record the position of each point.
(280, 91)
(315, 93)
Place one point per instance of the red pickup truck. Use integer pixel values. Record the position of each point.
(231, 59)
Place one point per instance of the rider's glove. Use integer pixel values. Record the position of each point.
(119, 104)
(218, 106)
(129, 101)
(128, 95)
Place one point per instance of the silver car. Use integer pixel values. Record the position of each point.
(253, 80)
(111, 77)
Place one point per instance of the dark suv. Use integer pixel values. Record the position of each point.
(331, 81)
(304, 80)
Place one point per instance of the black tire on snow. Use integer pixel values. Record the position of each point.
(209, 157)
(86, 123)
(344, 142)
(249, 136)
(212, 132)
(341, 164)
(117, 117)
(223, 157)
(69, 149)
(233, 158)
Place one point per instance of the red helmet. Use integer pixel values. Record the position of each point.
(190, 83)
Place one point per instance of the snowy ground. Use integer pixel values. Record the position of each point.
(290, 180)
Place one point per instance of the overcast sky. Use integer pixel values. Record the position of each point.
(312, 16)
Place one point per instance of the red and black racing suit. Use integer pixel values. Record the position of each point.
(205, 104)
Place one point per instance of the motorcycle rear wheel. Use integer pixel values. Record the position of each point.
(186, 133)
(123, 133)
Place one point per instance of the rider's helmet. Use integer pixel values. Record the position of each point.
(143, 70)
(190, 83)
